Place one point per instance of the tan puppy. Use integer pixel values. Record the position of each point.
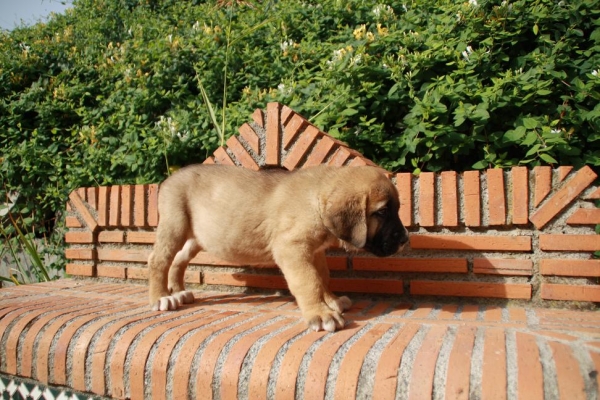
(273, 216)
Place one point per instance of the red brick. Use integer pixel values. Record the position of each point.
(492, 314)
(286, 114)
(530, 381)
(139, 355)
(250, 137)
(358, 162)
(72, 222)
(63, 341)
(472, 198)
(209, 160)
(232, 366)
(421, 380)
(241, 154)
(448, 311)
(570, 267)
(323, 356)
(115, 206)
(386, 375)
(139, 207)
(79, 237)
(43, 351)
(320, 152)
(273, 132)
(161, 363)
(84, 339)
(404, 186)
(80, 269)
(141, 237)
(471, 289)
(568, 372)
(126, 205)
(221, 157)
(203, 258)
(92, 197)
(503, 266)
(459, 364)
(210, 355)
(585, 216)
(595, 195)
(449, 199)
(543, 184)
(463, 242)
(152, 205)
(379, 286)
(549, 242)
(563, 172)
(111, 271)
(349, 369)
(520, 195)
(469, 312)
(259, 118)
(556, 291)
(563, 197)
(448, 265)
(496, 197)
(493, 379)
(115, 366)
(301, 147)
(81, 209)
(337, 263)
(296, 125)
(192, 277)
(111, 237)
(79, 254)
(264, 360)
(125, 255)
(243, 279)
(517, 314)
(427, 199)
(137, 273)
(183, 363)
(339, 158)
(103, 202)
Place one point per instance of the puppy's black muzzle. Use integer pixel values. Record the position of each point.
(389, 239)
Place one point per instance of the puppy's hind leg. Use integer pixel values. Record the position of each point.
(170, 238)
(176, 283)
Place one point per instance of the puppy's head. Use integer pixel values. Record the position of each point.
(361, 208)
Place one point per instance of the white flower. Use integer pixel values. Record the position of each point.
(473, 3)
(595, 72)
(467, 53)
(355, 60)
(382, 10)
(286, 44)
(284, 90)
(555, 131)
(196, 26)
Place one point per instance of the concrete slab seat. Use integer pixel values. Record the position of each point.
(101, 338)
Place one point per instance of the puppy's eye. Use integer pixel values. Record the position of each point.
(382, 212)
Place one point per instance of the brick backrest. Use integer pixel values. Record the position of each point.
(519, 234)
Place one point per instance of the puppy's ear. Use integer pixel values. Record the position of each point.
(344, 215)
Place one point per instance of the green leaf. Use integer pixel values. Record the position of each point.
(480, 165)
(548, 158)
(530, 123)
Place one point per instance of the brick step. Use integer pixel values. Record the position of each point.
(102, 338)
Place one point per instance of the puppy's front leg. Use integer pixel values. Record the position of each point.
(307, 286)
(339, 304)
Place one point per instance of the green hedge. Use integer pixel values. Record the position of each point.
(109, 93)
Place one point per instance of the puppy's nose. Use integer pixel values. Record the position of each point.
(400, 236)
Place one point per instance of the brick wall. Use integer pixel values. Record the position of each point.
(520, 234)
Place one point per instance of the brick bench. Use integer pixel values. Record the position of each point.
(496, 296)
(102, 338)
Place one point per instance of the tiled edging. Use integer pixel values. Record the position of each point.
(84, 338)
(520, 234)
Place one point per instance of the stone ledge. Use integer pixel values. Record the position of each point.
(101, 338)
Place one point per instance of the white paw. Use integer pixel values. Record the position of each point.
(184, 297)
(173, 302)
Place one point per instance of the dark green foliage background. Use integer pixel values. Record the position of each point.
(109, 93)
